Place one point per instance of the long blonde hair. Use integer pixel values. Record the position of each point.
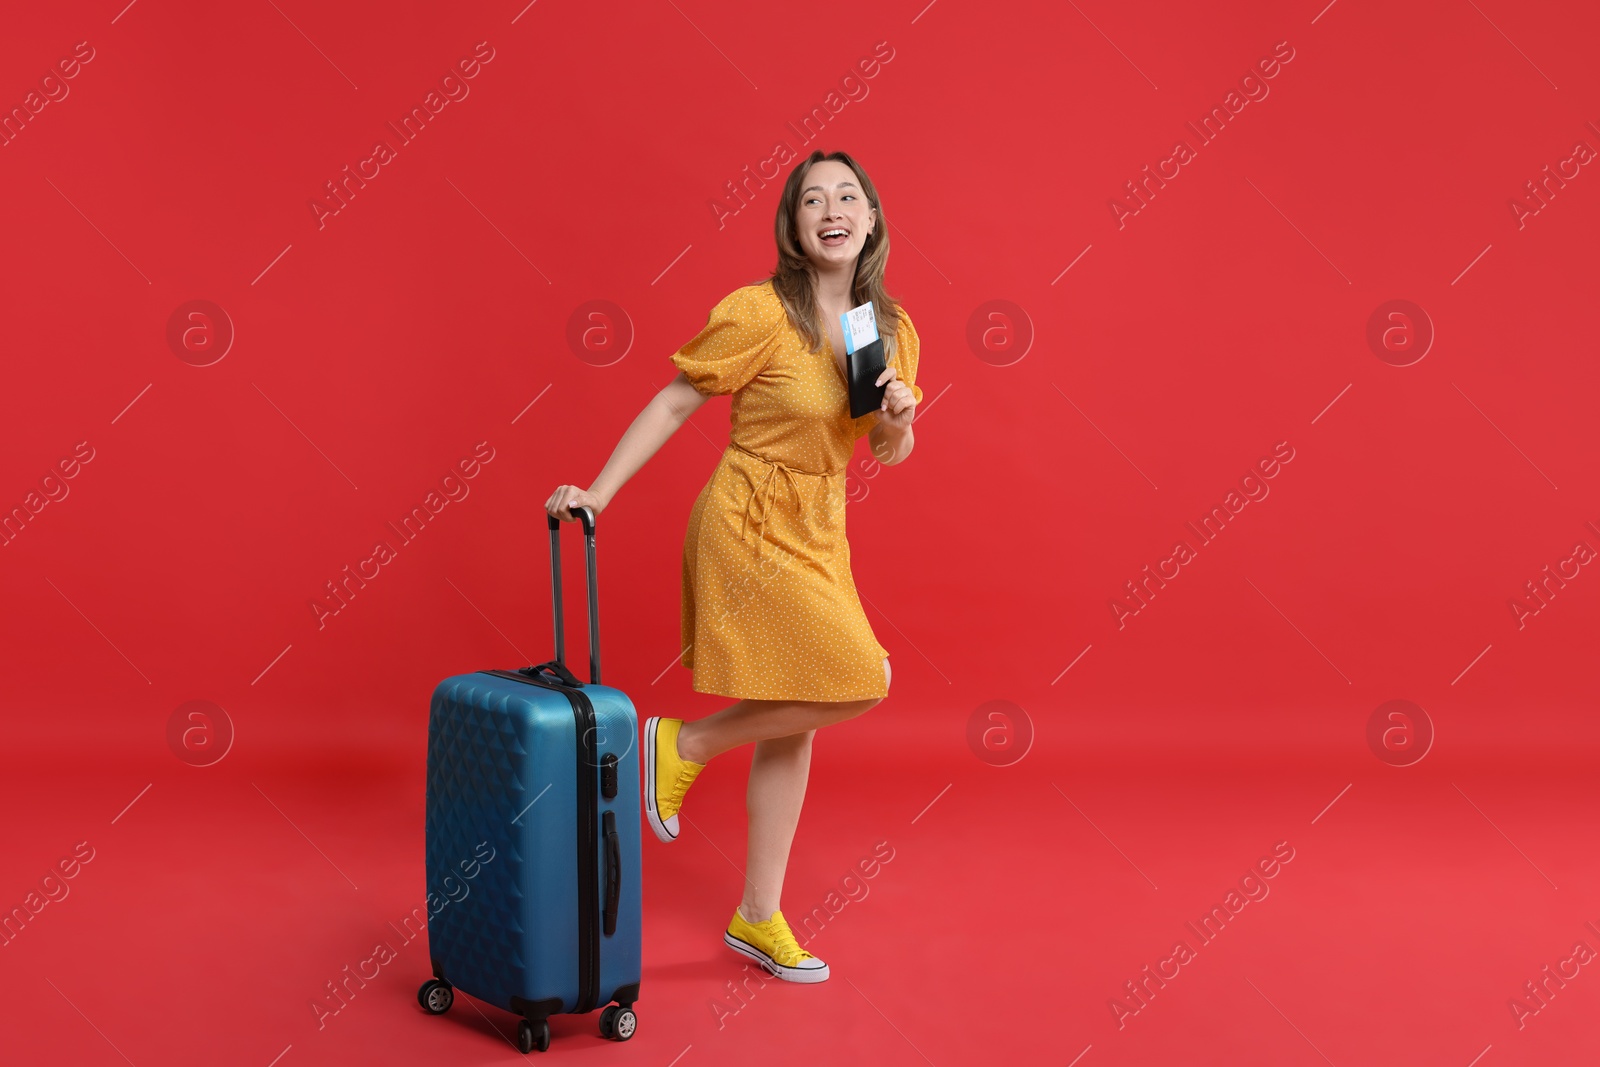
(793, 278)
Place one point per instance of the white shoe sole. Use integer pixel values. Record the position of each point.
(788, 974)
(666, 830)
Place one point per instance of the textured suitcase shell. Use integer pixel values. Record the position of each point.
(503, 775)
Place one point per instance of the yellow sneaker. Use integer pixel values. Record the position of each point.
(772, 945)
(667, 776)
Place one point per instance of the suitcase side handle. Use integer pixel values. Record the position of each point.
(586, 517)
(613, 872)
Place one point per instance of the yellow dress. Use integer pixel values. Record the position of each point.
(770, 610)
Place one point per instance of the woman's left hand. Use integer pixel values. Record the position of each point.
(899, 405)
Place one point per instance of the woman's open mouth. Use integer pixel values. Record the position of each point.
(834, 237)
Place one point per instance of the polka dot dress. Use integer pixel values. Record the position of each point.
(770, 610)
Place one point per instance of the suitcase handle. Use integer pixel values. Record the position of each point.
(587, 518)
(555, 667)
(613, 872)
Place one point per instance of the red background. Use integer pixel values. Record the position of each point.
(372, 352)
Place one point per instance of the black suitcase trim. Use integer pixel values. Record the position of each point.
(536, 1011)
(588, 848)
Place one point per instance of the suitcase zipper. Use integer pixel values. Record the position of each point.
(588, 839)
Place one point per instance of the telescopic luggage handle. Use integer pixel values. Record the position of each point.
(558, 666)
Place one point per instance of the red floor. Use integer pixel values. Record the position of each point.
(1014, 905)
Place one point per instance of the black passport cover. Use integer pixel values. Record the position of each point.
(865, 364)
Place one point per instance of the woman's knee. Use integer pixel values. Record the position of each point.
(828, 712)
(859, 707)
(786, 744)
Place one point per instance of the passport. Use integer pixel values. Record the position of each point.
(864, 359)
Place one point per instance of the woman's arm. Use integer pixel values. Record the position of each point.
(660, 419)
(890, 436)
(890, 445)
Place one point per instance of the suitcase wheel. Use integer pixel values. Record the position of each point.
(530, 1037)
(436, 996)
(618, 1023)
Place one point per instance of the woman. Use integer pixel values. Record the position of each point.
(770, 611)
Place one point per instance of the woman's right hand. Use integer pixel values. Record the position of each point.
(567, 497)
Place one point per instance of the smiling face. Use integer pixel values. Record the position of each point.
(833, 218)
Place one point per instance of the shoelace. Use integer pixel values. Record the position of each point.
(686, 776)
(788, 951)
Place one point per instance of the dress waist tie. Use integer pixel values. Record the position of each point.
(765, 491)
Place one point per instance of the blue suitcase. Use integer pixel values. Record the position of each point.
(532, 827)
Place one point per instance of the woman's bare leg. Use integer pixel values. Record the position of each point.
(777, 789)
(782, 733)
(750, 721)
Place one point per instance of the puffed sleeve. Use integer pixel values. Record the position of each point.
(736, 343)
(905, 364)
